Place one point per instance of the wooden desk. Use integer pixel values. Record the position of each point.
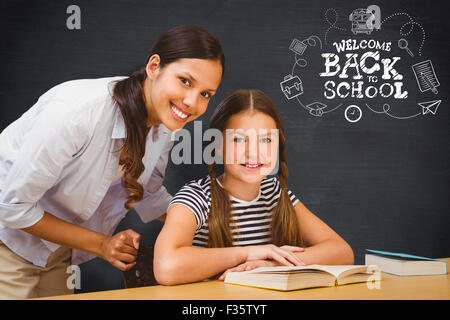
(391, 288)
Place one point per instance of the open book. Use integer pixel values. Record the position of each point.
(301, 277)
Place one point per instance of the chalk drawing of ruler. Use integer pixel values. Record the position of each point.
(425, 76)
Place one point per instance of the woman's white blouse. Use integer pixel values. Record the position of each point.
(61, 156)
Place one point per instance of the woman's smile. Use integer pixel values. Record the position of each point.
(178, 114)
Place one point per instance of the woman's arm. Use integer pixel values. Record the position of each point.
(177, 261)
(322, 244)
(120, 250)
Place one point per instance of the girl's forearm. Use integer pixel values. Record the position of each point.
(190, 264)
(55, 230)
(329, 252)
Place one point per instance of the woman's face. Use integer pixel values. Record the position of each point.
(180, 91)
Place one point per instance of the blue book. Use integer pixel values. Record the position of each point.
(403, 264)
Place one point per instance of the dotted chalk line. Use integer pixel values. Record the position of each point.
(412, 23)
(332, 23)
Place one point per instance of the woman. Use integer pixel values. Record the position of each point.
(88, 151)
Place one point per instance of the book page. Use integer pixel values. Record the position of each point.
(339, 269)
(334, 270)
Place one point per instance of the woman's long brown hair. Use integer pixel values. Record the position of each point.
(176, 43)
(285, 228)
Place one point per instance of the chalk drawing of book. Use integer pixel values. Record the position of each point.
(425, 76)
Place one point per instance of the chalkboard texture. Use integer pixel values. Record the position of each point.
(372, 163)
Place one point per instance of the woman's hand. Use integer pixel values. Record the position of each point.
(284, 255)
(121, 249)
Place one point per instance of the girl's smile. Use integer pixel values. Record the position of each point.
(251, 165)
(252, 168)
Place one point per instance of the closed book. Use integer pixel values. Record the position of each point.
(403, 264)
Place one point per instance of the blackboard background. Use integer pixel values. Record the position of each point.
(381, 183)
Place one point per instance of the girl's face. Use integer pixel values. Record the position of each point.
(250, 146)
(179, 92)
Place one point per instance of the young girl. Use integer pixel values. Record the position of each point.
(87, 152)
(243, 219)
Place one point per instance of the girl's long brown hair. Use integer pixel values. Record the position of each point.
(285, 228)
(176, 43)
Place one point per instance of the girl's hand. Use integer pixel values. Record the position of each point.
(249, 265)
(284, 255)
(121, 249)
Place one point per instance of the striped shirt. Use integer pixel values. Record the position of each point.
(250, 220)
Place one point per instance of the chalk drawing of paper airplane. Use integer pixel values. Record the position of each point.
(425, 76)
(430, 106)
(291, 86)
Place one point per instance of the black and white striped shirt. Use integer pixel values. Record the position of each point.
(250, 219)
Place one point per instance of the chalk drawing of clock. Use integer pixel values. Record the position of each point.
(353, 113)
